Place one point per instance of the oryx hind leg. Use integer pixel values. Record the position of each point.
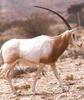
(6, 72)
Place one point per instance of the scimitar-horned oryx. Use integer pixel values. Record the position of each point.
(40, 50)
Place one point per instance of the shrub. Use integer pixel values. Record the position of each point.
(36, 24)
(4, 26)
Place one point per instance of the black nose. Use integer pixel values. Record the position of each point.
(80, 45)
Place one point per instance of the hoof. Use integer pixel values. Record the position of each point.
(17, 94)
(33, 93)
(65, 90)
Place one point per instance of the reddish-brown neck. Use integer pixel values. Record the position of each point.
(59, 46)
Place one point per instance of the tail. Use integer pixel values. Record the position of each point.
(1, 59)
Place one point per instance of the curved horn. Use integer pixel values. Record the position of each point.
(64, 20)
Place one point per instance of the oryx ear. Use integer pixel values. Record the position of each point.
(76, 29)
(73, 30)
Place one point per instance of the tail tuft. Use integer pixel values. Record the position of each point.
(1, 62)
(1, 72)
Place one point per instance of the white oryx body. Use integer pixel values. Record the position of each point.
(36, 48)
(30, 50)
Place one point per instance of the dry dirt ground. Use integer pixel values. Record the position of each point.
(71, 70)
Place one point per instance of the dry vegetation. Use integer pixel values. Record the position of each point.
(33, 25)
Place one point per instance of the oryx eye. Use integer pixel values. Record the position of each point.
(73, 36)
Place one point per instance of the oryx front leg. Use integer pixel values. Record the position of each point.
(36, 77)
(57, 77)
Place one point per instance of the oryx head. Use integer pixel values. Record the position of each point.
(73, 32)
(74, 40)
